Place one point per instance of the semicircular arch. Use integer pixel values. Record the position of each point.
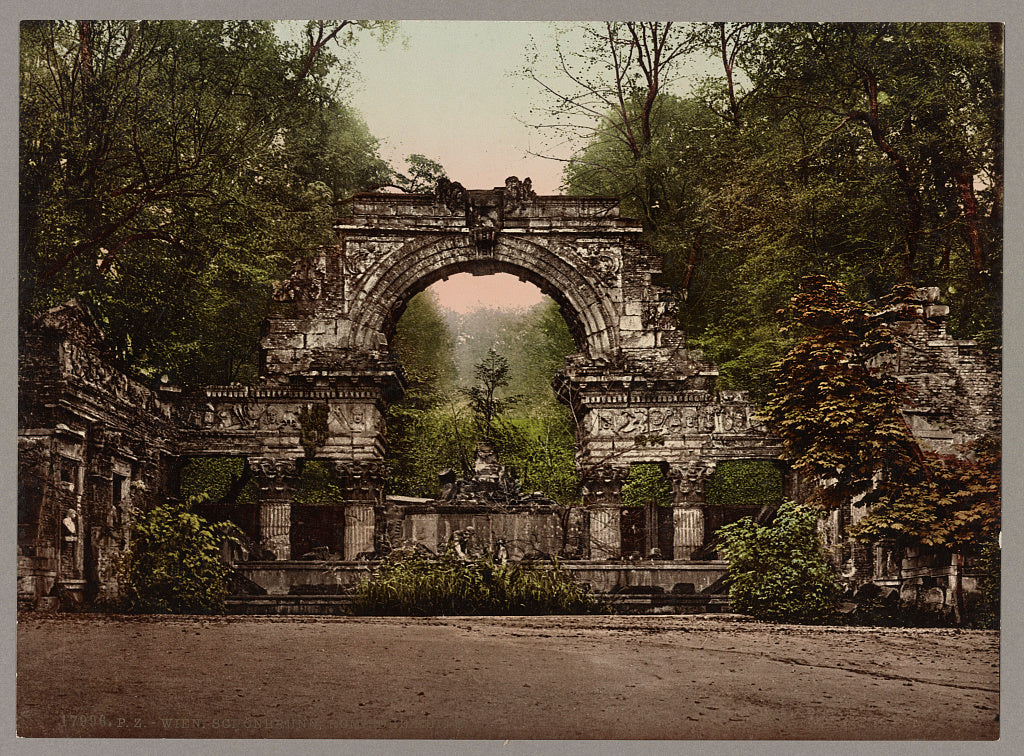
(590, 311)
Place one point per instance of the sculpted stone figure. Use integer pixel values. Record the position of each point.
(69, 527)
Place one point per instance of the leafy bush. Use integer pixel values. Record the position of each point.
(779, 572)
(174, 564)
(986, 613)
(413, 584)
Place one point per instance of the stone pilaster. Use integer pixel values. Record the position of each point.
(359, 529)
(275, 527)
(689, 531)
(605, 533)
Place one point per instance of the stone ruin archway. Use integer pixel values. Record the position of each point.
(327, 375)
(96, 446)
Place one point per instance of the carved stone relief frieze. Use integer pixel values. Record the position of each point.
(280, 418)
(346, 419)
(359, 258)
(238, 416)
(626, 422)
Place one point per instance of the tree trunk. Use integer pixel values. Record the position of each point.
(969, 208)
(915, 214)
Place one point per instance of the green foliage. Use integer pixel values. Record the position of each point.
(412, 584)
(215, 478)
(779, 572)
(318, 485)
(174, 563)
(646, 484)
(989, 563)
(421, 443)
(423, 175)
(423, 342)
(537, 344)
(744, 483)
(541, 449)
(431, 429)
(428, 430)
(491, 374)
(171, 170)
(313, 432)
(868, 153)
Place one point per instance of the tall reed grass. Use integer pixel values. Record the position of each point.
(413, 584)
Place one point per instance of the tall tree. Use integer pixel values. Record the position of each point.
(839, 414)
(867, 153)
(606, 85)
(163, 177)
(926, 100)
(486, 396)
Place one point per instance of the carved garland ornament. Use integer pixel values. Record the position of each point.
(603, 260)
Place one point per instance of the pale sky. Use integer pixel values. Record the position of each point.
(446, 90)
(450, 90)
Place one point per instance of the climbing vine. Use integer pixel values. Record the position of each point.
(313, 432)
(744, 483)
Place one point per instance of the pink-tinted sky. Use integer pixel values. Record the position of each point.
(464, 292)
(446, 90)
(454, 91)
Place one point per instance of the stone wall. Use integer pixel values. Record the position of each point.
(954, 399)
(94, 447)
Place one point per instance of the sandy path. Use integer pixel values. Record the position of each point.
(667, 677)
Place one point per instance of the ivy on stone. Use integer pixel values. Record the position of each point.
(646, 484)
(744, 483)
(313, 432)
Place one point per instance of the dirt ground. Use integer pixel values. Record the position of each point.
(622, 677)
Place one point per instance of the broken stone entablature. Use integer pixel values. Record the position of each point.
(486, 514)
(96, 441)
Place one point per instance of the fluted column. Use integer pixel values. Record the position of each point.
(359, 529)
(688, 523)
(602, 496)
(276, 482)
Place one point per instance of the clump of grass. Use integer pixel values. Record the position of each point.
(412, 584)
